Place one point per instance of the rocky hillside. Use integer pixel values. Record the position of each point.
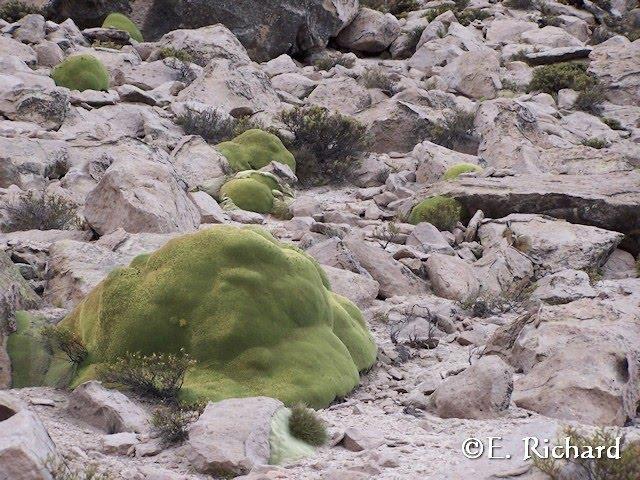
(419, 218)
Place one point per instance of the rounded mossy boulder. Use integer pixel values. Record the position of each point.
(248, 194)
(457, 170)
(122, 22)
(258, 317)
(255, 149)
(441, 212)
(81, 72)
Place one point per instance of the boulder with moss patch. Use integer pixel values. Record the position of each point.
(259, 317)
(255, 149)
(457, 170)
(442, 212)
(81, 72)
(119, 21)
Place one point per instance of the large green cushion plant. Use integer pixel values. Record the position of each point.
(81, 72)
(121, 22)
(258, 317)
(255, 149)
(442, 212)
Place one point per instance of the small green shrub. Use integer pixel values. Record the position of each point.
(68, 342)
(376, 77)
(60, 471)
(14, 10)
(305, 425)
(465, 17)
(326, 145)
(81, 72)
(442, 212)
(432, 13)
(457, 170)
(327, 62)
(456, 132)
(554, 77)
(591, 99)
(106, 44)
(520, 4)
(119, 21)
(594, 143)
(40, 211)
(627, 467)
(158, 375)
(396, 7)
(212, 125)
(170, 424)
(182, 55)
(549, 21)
(612, 123)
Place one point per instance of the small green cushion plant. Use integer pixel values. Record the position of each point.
(121, 22)
(248, 194)
(255, 149)
(258, 317)
(81, 72)
(441, 212)
(455, 171)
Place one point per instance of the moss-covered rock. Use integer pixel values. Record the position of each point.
(81, 72)
(248, 194)
(457, 170)
(258, 316)
(442, 212)
(121, 22)
(255, 149)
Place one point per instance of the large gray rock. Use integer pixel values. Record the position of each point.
(553, 245)
(360, 289)
(371, 31)
(232, 436)
(564, 287)
(434, 160)
(108, 410)
(452, 278)
(140, 197)
(428, 239)
(481, 391)
(608, 201)
(25, 446)
(394, 277)
(267, 29)
(196, 162)
(342, 94)
(474, 74)
(615, 63)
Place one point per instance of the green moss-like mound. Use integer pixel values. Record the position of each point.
(255, 149)
(121, 22)
(248, 194)
(257, 316)
(81, 72)
(457, 170)
(284, 446)
(442, 212)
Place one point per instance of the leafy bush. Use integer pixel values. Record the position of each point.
(520, 4)
(40, 211)
(63, 339)
(376, 77)
(594, 143)
(212, 125)
(456, 132)
(121, 22)
(305, 425)
(627, 467)
(396, 7)
(554, 77)
(14, 10)
(326, 145)
(457, 170)
(170, 423)
(612, 123)
(591, 99)
(327, 62)
(442, 212)
(159, 375)
(81, 72)
(182, 55)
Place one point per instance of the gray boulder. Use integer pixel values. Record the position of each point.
(371, 31)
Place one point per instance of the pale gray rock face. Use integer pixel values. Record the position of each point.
(434, 160)
(481, 391)
(342, 94)
(452, 278)
(612, 61)
(108, 410)
(360, 289)
(196, 162)
(563, 287)
(553, 245)
(232, 435)
(140, 197)
(427, 238)
(25, 446)
(266, 29)
(371, 31)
